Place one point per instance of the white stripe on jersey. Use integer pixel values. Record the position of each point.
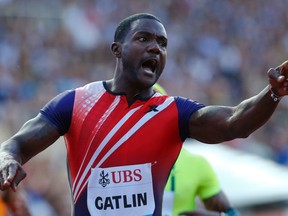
(100, 148)
(87, 105)
(94, 131)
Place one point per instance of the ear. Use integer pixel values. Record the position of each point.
(116, 49)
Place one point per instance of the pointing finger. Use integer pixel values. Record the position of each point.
(12, 171)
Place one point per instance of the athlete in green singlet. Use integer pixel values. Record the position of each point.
(192, 176)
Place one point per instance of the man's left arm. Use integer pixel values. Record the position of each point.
(215, 124)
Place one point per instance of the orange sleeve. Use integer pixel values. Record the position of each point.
(3, 208)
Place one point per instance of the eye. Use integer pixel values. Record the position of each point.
(142, 39)
(162, 43)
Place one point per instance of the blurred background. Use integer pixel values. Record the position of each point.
(218, 53)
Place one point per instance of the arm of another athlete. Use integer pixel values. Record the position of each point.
(218, 203)
(214, 206)
(201, 212)
(34, 136)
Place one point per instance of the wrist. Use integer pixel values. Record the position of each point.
(275, 97)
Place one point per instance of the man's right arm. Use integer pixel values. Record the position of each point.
(34, 136)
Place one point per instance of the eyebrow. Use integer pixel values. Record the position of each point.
(150, 33)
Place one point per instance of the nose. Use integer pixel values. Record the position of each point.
(154, 47)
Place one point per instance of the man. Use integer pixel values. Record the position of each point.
(122, 138)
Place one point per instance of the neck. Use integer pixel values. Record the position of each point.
(132, 94)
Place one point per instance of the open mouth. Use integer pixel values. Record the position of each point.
(150, 65)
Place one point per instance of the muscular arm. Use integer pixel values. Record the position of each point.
(32, 138)
(215, 124)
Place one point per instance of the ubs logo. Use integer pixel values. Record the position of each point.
(121, 176)
(126, 176)
(104, 179)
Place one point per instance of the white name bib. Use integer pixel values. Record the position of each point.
(124, 190)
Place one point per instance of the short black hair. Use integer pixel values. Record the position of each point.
(124, 26)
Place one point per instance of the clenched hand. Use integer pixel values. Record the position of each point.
(11, 172)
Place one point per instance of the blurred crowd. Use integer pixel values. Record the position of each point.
(218, 53)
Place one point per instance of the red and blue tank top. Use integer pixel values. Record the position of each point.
(114, 148)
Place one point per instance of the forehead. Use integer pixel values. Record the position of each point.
(148, 25)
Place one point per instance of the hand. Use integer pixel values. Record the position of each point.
(278, 79)
(11, 172)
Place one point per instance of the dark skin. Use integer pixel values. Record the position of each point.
(218, 202)
(213, 205)
(147, 39)
(144, 41)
